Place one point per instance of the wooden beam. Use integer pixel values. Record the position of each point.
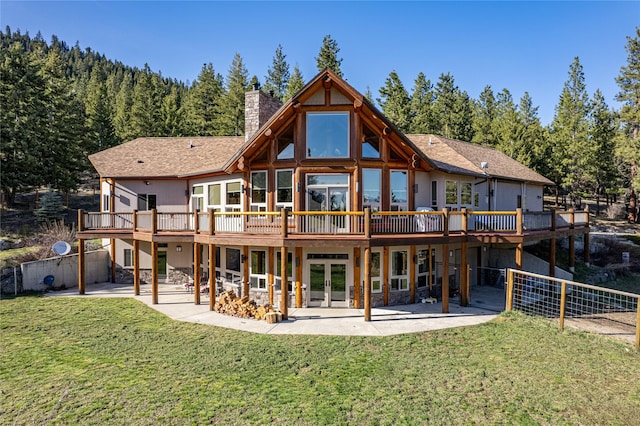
(519, 253)
(196, 273)
(298, 262)
(464, 276)
(356, 277)
(445, 278)
(154, 273)
(270, 279)
(113, 260)
(412, 274)
(385, 275)
(552, 257)
(245, 271)
(212, 276)
(367, 284)
(81, 266)
(136, 267)
(284, 284)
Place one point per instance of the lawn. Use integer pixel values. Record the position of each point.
(116, 361)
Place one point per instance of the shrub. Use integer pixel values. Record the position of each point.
(615, 211)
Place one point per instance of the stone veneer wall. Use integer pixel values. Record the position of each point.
(259, 107)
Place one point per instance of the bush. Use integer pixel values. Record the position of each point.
(615, 211)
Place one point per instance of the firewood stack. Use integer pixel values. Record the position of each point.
(230, 304)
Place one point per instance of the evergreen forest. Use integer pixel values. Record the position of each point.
(60, 103)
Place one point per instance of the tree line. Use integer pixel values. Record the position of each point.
(61, 103)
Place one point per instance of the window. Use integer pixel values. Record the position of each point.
(371, 192)
(214, 200)
(434, 194)
(465, 193)
(451, 195)
(258, 270)
(278, 269)
(399, 190)
(106, 198)
(399, 276)
(197, 197)
(146, 202)
(328, 135)
(258, 191)
(476, 200)
(284, 189)
(128, 258)
(423, 267)
(233, 196)
(285, 144)
(376, 272)
(370, 144)
(232, 265)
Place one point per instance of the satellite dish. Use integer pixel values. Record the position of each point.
(61, 248)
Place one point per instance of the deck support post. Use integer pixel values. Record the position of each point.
(464, 277)
(356, 277)
(519, 253)
(136, 267)
(212, 276)
(154, 273)
(298, 263)
(284, 283)
(552, 257)
(385, 275)
(367, 284)
(113, 259)
(271, 257)
(81, 276)
(196, 273)
(445, 278)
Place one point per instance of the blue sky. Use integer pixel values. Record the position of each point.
(521, 46)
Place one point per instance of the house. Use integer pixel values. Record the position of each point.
(326, 190)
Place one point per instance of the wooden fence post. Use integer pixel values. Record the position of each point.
(563, 304)
(510, 279)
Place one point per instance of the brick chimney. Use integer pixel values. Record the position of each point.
(258, 109)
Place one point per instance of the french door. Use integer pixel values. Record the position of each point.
(328, 283)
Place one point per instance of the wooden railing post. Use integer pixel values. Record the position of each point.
(134, 220)
(285, 222)
(553, 219)
(510, 279)
(445, 221)
(367, 222)
(154, 221)
(212, 223)
(80, 220)
(464, 221)
(196, 221)
(572, 218)
(519, 221)
(563, 303)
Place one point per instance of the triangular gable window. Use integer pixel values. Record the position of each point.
(285, 144)
(370, 144)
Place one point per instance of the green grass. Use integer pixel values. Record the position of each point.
(116, 361)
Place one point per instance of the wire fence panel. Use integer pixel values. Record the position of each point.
(587, 307)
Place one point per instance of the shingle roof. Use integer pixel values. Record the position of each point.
(166, 157)
(454, 156)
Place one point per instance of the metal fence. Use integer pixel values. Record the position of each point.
(584, 306)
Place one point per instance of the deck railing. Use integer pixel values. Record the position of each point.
(330, 223)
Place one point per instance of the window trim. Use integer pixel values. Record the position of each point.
(127, 258)
(373, 206)
(447, 193)
(395, 206)
(402, 280)
(284, 204)
(347, 135)
(259, 206)
(261, 279)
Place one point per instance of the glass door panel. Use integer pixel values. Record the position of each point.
(338, 282)
(317, 282)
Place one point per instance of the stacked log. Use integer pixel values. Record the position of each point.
(230, 304)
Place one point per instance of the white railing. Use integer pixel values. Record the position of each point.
(406, 222)
(106, 220)
(455, 222)
(494, 221)
(328, 222)
(175, 222)
(144, 221)
(580, 218)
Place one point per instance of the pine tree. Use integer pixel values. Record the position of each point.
(484, 118)
(23, 116)
(505, 126)
(171, 114)
(98, 109)
(232, 114)
(124, 99)
(202, 107)
(328, 56)
(443, 106)
(628, 146)
(395, 102)
(569, 133)
(51, 208)
(295, 83)
(601, 169)
(278, 75)
(422, 99)
(531, 134)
